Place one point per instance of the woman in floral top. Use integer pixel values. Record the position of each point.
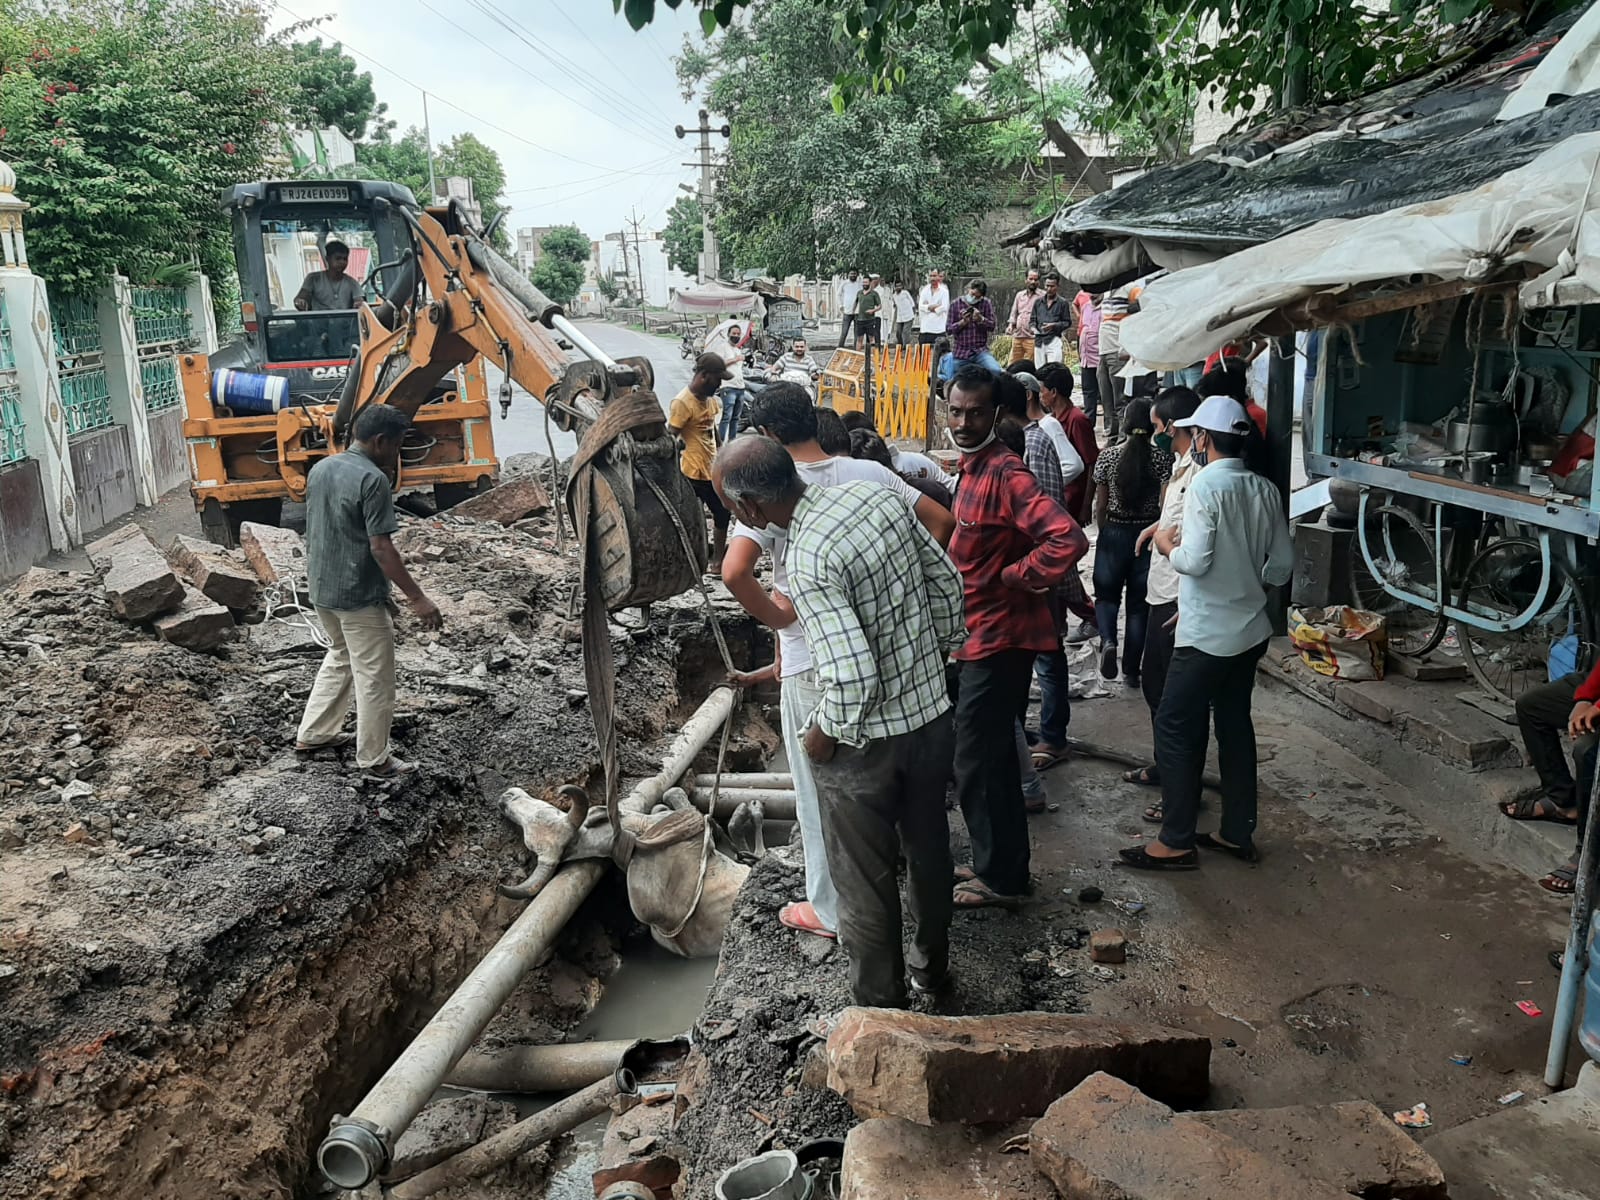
(1129, 479)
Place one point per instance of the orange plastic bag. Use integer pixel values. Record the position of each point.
(1340, 642)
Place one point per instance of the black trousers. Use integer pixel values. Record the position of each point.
(877, 801)
(1157, 658)
(1089, 382)
(1201, 689)
(992, 697)
(1542, 715)
(846, 323)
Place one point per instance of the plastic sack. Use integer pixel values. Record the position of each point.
(1340, 642)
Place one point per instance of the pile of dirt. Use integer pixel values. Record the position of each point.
(209, 945)
(750, 1089)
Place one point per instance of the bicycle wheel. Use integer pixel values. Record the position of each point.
(1402, 548)
(1501, 582)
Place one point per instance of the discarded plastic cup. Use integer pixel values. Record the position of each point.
(1461, 1060)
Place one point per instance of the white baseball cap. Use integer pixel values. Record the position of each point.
(1218, 414)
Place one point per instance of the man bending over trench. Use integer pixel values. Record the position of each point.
(784, 412)
(881, 604)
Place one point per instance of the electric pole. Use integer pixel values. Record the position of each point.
(427, 136)
(638, 254)
(710, 264)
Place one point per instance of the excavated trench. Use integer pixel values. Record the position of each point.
(241, 943)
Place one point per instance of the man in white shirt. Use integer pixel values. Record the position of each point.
(784, 412)
(727, 341)
(1161, 588)
(916, 465)
(849, 293)
(905, 313)
(933, 308)
(1233, 545)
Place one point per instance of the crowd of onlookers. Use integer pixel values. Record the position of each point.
(915, 603)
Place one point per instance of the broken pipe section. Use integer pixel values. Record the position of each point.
(534, 1069)
(358, 1147)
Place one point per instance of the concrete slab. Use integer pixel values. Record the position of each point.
(890, 1159)
(1543, 1149)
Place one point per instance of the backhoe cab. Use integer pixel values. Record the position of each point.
(282, 233)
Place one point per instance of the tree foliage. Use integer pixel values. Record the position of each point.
(125, 120)
(894, 182)
(405, 161)
(684, 235)
(564, 251)
(1341, 46)
(333, 91)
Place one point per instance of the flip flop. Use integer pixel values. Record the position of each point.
(1143, 776)
(1536, 808)
(965, 875)
(975, 893)
(1242, 853)
(1141, 859)
(1155, 814)
(800, 916)
(1563, 881)
(338, 742)
(1044, 759)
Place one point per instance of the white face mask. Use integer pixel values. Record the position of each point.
(994, 432)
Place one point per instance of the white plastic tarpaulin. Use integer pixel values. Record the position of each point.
(1527, 215)
(712, 298)
(1572, 68)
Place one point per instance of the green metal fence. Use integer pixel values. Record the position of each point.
(77, 332)
(86, 399)
(160, 316)
(159, 376)
(13, 429)
(8, 356)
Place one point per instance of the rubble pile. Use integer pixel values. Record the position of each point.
(186, 905)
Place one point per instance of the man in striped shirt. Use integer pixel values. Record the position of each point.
(881, 604)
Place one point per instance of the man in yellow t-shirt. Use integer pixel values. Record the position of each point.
(694, 416)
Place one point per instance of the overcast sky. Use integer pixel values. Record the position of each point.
(585, 107)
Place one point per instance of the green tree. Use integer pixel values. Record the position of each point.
(564, 252)
(335, 92)
(609, 289)
(403, 161)
(124, 120)
(1338, 47)
(893, 182)
(684, 235)
(466, 155)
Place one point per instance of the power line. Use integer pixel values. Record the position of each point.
(485, 122)
(628, 172)
(632, 130)
(522, 33)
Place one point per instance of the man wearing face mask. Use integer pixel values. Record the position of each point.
(881, 605)
(1161, 587)
(971, 323)
(1233, 545)
(1013, 545)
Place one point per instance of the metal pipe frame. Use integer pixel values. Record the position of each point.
(1576, 961)
(1438, 605)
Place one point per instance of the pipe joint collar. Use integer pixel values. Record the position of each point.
(353, 1153)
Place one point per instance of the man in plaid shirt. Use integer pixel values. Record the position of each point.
(971, 324)
(1013, 544)
(882, 606)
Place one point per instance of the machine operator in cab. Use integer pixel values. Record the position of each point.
(332, 288)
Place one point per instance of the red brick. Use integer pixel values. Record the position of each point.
(929, 1069)
(1108, 946)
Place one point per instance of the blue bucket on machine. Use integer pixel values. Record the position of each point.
(244, 392)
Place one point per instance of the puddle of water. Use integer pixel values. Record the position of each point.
(654, 994)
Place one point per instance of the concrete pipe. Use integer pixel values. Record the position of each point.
(776, 806)
(561, 1117)
(767, 782)
(529, 1069)
(358, 1147)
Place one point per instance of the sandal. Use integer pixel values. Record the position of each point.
(965, 875)
(1143, 776)
(975, 893)
(392, 768)
(1155, 814)
(1141, 859)
(337, 742)
(1537, 808)
(1044, 759)
(1242, 853)
(801, 917)
(1563, 881)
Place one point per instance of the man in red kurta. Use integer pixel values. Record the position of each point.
(1012, 545)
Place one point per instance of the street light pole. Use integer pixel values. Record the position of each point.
(710, 264)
